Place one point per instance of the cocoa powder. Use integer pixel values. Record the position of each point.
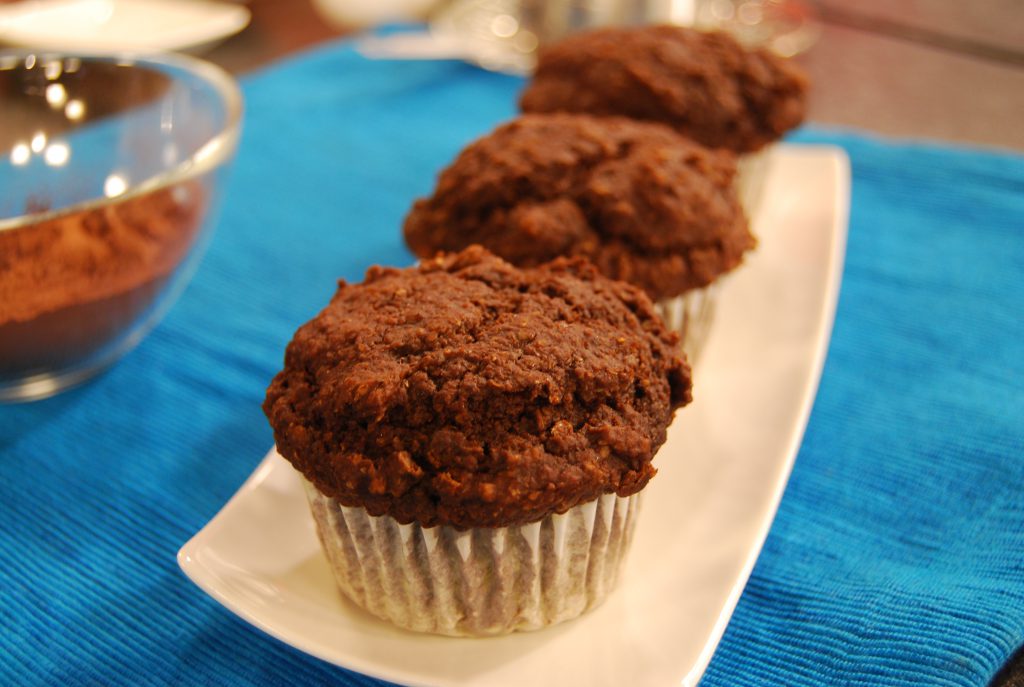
(71, 284)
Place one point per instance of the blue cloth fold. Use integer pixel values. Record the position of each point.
(897, 556)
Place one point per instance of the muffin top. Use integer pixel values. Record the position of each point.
(467, 392)
(703, 84)
(641, 202)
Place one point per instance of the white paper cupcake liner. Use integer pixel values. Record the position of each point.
(690, 315)
(479, 581)
(752, 171)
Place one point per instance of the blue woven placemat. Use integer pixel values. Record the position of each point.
(898, 553)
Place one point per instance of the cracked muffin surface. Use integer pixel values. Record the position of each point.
(467, 392)
(641, 202)
(702, 83)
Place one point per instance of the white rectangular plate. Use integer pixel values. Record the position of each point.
(117, 25)
(706, 514)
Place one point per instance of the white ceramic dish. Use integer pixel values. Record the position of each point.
(706, 514)
(120, 25)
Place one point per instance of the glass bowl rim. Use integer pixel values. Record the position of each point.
(210, 155)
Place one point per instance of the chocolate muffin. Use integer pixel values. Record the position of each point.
(641, 202)
(474, 437)
(703, 84)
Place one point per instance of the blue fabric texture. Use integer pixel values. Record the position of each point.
(897, 556)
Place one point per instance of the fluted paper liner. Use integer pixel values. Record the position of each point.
(690, 315)
(484, 581)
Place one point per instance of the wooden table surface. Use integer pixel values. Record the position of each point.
(946, 70)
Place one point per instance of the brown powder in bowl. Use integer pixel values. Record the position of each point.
(70, 285)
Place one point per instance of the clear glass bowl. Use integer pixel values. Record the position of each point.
(111, 169)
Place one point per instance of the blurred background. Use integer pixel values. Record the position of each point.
(940, 69)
